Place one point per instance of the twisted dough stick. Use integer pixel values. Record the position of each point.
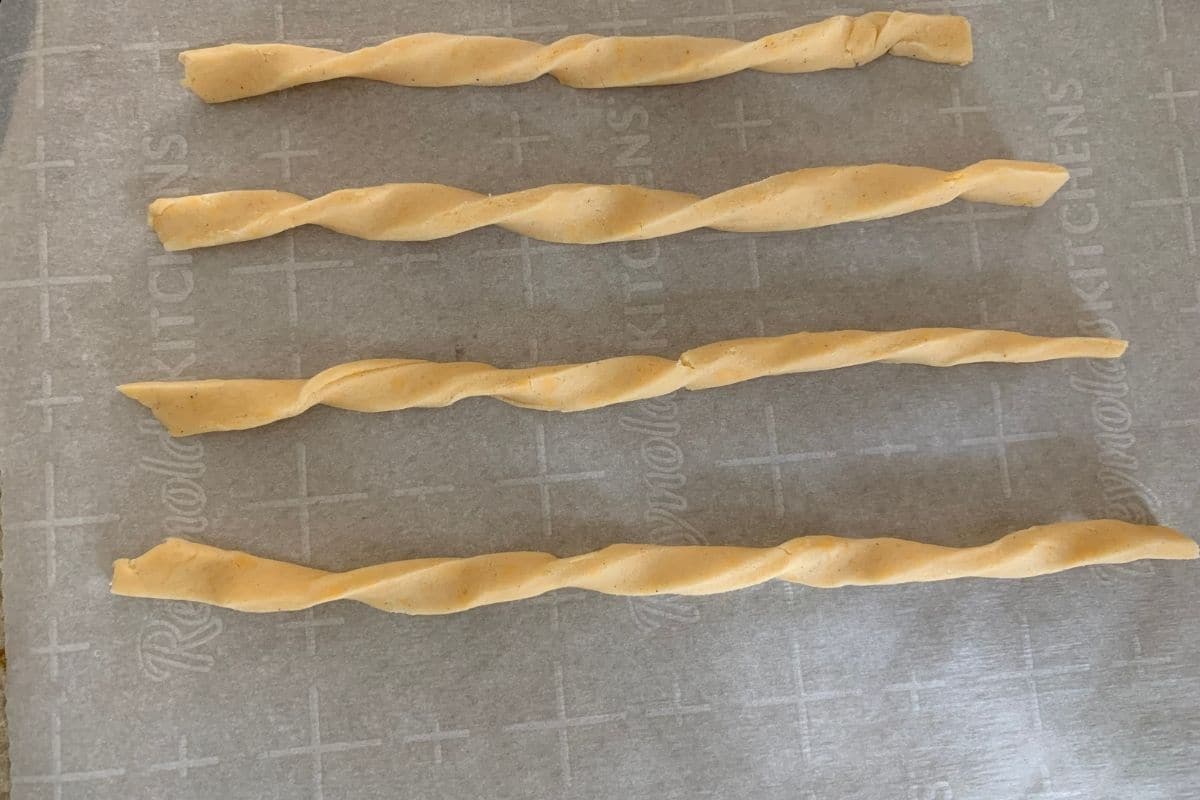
(234, 71)
(181, 570)
(187, 407)
(577, 213)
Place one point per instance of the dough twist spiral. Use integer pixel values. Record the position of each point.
(234, 71)
(592, 214)
(188, 407)
(181, 570)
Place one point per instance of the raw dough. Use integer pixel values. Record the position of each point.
(592, 214)
(187, 407)
(181, 570)
(233, 71)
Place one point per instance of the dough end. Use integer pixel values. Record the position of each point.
(965, 52)
(148, 395)
(1013, 183)
(154, 213)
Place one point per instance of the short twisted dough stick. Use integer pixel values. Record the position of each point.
(234, 71)
(181, 570)
(187, 407)
(577, 213)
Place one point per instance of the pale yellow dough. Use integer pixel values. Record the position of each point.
(181, 570)
(187, 407)
(576, 213)
(234, 71)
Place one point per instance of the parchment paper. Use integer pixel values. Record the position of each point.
(1078, 685)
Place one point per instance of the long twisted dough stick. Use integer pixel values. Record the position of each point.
(578, 213)
(234, 71)
(187, 407)
(181, 570)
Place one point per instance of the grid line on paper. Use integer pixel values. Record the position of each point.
(1185, 201)
(58, 776)
(46, 282)
(155, 46)
(52, 523)
(562, 722)
(544, 479)
(41, 51)
(317, 748)
(184, 761)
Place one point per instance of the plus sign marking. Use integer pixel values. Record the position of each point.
(544, 479)
(303, 501)
(280, 33)
(183, 762)
(913, 689)
(731, 18)
(956, 109)
(291, 267)
(1030, 674)
(48, 401)
(317, 749)
(561, 723)
(509, 28)
(40, 52)
(677, 708)
(436, 737)
(309, 624)
(615, 25)
(775, 460)
(526, 251)
(57, 777)
(1184, 201)
(155, 47)
(1170, 95)
(800, 698)
(40, 165)
(1140, 660)
(285, 153)
(741, 124)
(45, 282)
(54, 649)
(1002, 439)
(517, 141)
(52, 523)
(971, 218)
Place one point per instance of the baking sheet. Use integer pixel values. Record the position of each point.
(1077, 685)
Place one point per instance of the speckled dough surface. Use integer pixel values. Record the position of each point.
(179, 569)
(187, 407)
(594, 214)
(234, 71)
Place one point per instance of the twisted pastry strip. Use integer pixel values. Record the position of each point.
(577, 213)
(181, 570)
(234, 71)
(187, 407)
